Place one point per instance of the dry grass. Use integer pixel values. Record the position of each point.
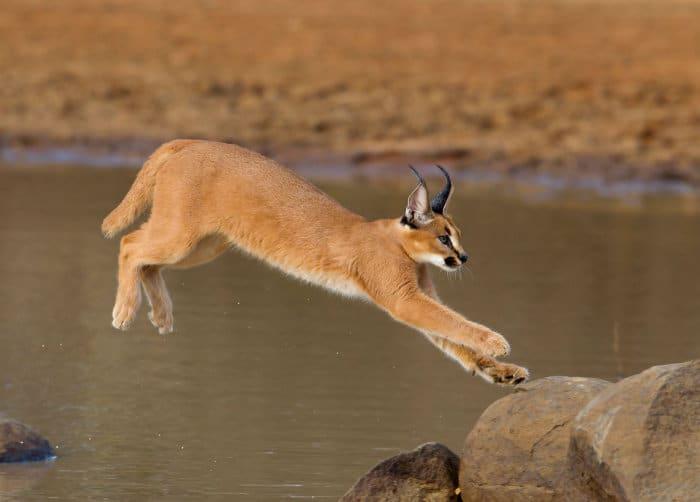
(538, 83)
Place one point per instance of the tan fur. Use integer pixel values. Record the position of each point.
(208, 196)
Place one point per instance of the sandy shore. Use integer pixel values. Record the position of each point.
(571, 88)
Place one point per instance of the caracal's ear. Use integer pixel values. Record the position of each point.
(418, 208)
(439, 202)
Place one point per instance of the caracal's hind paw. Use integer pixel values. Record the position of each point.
(123, 315)
(125, 310)
(495, 345)
(164, 322)
(506, 374)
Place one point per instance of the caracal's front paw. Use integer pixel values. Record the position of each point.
(494, 345)
(506, 374)
(162, 320)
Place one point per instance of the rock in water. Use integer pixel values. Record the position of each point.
(19, 443)
(518, 448)
(639, 439)
(428, 473)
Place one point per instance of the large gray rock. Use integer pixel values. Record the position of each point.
(518, 448)
(640, 438)
(19, 443)
(426, 474)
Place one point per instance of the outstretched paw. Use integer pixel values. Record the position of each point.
(494, 345)
(506, 374)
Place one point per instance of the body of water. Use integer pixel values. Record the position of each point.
(270, 388)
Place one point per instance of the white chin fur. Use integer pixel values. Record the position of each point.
(438, 261)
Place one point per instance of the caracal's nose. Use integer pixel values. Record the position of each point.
(463, 257)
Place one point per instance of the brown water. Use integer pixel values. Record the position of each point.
(273, 389)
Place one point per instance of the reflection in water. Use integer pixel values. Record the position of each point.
(271, 388)
(17, 479)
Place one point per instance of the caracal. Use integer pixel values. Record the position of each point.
(206, 197)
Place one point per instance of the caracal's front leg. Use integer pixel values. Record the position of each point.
(424, 313)
(489, 369)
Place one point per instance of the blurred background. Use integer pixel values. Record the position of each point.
(567, 87)
(570, 127)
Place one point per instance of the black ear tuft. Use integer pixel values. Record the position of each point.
(418, 175)
(440, 201)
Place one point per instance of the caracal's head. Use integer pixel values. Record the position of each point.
(428, 234)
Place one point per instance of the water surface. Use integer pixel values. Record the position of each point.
(272, 389)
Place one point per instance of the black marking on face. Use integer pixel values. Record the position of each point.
(447, 231)
(451, 262)
(445, 240)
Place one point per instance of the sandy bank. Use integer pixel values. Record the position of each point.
(576, 88)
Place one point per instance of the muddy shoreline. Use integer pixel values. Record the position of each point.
(604, 176)
(578, 92)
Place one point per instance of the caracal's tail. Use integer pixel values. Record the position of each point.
(140, 195)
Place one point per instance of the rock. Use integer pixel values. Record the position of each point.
(518, 448)
(428, 473)
(640, 438)
(19, 443)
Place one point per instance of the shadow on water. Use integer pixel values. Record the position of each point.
(270, 388)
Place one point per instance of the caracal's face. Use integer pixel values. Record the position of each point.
(428, 234)
(436, 242)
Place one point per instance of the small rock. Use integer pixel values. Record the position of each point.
(428, 473)
(640, 438)
(518, 448)
(19, 443)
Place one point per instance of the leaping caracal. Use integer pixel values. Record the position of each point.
(206, 197)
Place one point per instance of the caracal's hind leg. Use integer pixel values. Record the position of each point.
(206, 250)
(161, 313)
(128, 298)
(141, 249)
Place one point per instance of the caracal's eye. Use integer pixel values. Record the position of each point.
(445, 239)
